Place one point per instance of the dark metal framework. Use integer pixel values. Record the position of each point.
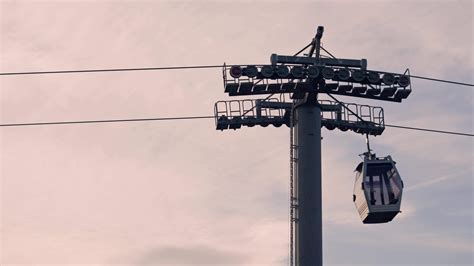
(253, 112)
(347, 81)
(304, 78)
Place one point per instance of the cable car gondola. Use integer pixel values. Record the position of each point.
(378, 189)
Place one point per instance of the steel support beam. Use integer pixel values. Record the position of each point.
(309, 245)
(285, 59)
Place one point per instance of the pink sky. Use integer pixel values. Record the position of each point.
(182, 193)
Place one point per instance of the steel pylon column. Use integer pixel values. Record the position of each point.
(309, 246)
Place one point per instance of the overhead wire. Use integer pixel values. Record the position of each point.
(108, 70)
(432, 130)
(433, 79)
(394, 126)
(414, 76)
(191, 67)
(192, 118)
(105, 121)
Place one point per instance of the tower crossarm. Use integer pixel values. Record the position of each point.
(255, 112)
(347, 77)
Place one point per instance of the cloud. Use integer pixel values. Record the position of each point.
(190, 255)
(435, 180)
(173, 191)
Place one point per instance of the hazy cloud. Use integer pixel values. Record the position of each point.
(180, 191)
(194, 255)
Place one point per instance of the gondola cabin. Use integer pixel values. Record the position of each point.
(377, 190)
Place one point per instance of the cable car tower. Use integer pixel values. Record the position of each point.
(378, 188)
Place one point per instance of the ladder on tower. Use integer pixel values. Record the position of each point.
(293, 199)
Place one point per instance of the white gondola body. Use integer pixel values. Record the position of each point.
(378, 190)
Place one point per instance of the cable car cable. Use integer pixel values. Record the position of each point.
(404, 127)
(395, 126)
(439, 80)
(121, 69)
(108, 70)
(432, 130)
(187, 67)
(418, 77)
(105, 121)
(190, 118)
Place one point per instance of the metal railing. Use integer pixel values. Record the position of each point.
(250, 112)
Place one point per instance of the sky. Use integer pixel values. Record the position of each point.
(183, 193)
